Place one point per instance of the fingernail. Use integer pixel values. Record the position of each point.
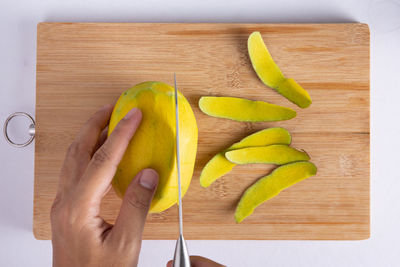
(148, 178)
(130, 113)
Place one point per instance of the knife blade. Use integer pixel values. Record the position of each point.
(181, 257)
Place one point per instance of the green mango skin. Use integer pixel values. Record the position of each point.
(218, 166)
(271, 185)
(241, 109)
(271, 75)
(272, 154)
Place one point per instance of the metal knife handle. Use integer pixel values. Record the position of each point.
(181, 257)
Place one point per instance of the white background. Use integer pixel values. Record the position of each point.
(18, 21)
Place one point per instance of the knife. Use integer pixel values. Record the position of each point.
(181, 257)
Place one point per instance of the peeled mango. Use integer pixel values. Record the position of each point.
(271, 75)
(240, 109)
(153, 145)
(218, 166)
(271, 185)
(272, 154)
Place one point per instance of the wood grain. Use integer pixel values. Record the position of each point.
(82, 66)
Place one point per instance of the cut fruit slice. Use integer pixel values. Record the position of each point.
(272, 154)
(219, 165)
(270, 74)
(265, 67)
(271, 185)
(240, 109)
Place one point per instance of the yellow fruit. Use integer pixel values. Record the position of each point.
(219, 165)
(271, 185)
(272, 154)
(153, 145)
(240, 109)
(271, 75)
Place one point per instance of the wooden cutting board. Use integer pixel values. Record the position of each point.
(82, 66)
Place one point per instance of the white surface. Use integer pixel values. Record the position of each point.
(18, 21)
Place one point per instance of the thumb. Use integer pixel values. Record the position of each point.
(135, 206)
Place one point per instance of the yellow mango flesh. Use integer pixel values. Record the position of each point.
(271, 185)
(153, 145)
(219, 165)
(240, 109)
(272, 154)
(270, 74)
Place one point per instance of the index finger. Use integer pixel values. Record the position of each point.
(90, 132)
(81, 150)
(103, 165)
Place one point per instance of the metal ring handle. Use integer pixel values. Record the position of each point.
(31, 129)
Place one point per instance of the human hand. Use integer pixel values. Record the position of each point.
(197, 261)
(80, 236)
